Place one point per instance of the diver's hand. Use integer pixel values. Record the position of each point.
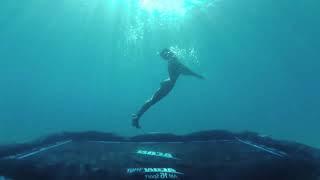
(200, 77)
(135, 121)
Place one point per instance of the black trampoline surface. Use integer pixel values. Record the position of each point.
(214, 155)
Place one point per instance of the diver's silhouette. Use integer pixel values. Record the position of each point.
(175, 69)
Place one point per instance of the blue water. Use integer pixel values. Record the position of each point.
(88, 65)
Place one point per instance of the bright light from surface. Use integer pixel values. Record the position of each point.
(164, 6)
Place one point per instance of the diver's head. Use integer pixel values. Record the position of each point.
(167, 54)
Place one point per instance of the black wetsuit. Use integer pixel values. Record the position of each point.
(175, 69)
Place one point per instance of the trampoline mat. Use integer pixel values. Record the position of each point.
(214, 155)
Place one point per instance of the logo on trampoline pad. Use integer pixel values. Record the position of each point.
(158, 154)
(155, 173)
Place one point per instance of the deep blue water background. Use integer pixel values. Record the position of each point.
(87, 65)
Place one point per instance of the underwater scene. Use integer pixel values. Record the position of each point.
(89, 65)
(163, 71)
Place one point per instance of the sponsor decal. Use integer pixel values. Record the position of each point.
(155, 173)
(154, 153)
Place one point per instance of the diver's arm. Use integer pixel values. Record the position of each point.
(197, 75)
(186, 71)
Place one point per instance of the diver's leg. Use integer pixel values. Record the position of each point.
(165, 88)
(145, 107)
(155, 98)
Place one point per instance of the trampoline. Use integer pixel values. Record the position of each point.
(212, 155)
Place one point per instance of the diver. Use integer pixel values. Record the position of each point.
(175, 69)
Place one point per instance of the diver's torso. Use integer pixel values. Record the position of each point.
(174, 69)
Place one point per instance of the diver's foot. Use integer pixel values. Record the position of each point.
(135, 121)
